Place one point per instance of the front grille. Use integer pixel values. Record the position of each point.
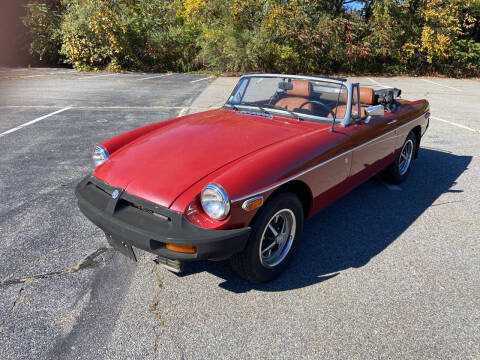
(142, 208)
(127, 217)
(98, 187)
(148, 211)
(99, 194)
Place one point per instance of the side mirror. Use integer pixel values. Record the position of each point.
(377, 110)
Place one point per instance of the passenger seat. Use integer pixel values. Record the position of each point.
(367, 97)
(302, 91)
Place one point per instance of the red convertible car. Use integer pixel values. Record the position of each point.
(239, 182)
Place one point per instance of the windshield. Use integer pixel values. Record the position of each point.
(308, 99)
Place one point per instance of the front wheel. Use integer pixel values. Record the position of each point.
(398, 172)
(276, 231)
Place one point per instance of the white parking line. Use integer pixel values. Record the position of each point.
(433, 82)
(154, 77)
(30, 76)
(33, 121)
(455, 124)
(377, 83)
(47, 74)
(200, 79)
(95, 76)
(11, 69)
(91, 107)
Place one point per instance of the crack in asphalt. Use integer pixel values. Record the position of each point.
(155, 347)
(55, 252)
(17, 298)
(15, 301)
(88, 262)
(154, 304)
(12, 309)
(153, 309)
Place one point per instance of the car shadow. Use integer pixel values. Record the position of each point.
(357, 227)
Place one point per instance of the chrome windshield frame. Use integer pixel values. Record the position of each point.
(342, 121)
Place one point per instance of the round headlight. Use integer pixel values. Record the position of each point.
(99, 155)
(215, 201)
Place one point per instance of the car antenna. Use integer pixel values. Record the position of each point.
(336, 108)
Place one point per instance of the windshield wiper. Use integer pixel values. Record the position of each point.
(262, 109)
(285, 109)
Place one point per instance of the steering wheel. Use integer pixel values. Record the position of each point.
(273, 99)
(319, 103)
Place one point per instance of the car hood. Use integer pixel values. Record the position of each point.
(164, 163)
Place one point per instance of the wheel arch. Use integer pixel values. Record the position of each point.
(299, 188)
(417, 131)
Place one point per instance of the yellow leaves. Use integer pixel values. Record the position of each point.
(442, 22)
(280, 14)
(193, 8)
(237, 6)
(244, 11)
(409, 50)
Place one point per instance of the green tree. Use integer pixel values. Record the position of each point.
(43, 20)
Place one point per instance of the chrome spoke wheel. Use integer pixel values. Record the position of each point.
(275, 235)
(277, 238)
(405, 157)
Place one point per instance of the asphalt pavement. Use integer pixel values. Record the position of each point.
(386, 272)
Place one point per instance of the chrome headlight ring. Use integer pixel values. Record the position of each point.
(99, 155)
(215, 201)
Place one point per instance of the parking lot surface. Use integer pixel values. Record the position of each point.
(385, 272)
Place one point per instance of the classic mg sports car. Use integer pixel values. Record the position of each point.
(239, 182)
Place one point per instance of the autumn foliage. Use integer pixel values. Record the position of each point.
(297, 36)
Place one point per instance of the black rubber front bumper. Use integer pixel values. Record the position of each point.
(150, 227)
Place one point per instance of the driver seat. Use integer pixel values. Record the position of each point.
(301, 91)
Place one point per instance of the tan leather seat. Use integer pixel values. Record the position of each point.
(367, 97)
(341, 110)
(302, 91)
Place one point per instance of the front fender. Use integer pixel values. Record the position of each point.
(257, 172)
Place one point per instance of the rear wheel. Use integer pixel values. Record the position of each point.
(275, 235)
(398, 172)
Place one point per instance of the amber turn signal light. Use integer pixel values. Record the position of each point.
(187, 249)
(253, 203)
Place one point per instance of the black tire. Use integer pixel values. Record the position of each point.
(252, 266)
(398, 171)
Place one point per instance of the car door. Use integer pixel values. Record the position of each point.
(373, 146)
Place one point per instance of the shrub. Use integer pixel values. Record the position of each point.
(465, 58)
(43, 20)
(93, 35)
(296, 36)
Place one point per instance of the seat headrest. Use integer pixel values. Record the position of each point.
(301, 88)
(367, 96)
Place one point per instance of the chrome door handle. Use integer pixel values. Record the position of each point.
(391, 122)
